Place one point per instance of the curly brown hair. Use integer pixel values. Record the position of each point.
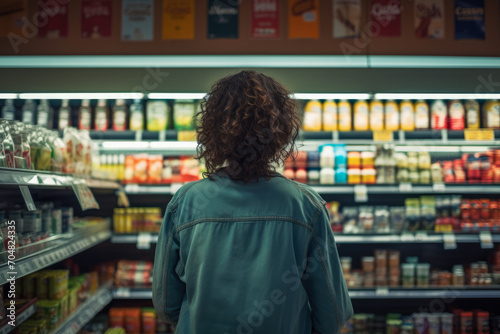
(247, 125)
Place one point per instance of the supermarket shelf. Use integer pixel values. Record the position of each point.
(86, 311)
(56, 249)
(143, 189)
(22, 315)
(419, 237)
(379, 293)
(30, 178)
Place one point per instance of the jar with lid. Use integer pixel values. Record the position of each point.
(408, 275)
(458, 275)
(423, 270)
(346, 264)
(368, 264)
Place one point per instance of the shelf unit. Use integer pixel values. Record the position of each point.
(86, 311)
(56, 249)
(377, 293)
(24, 314)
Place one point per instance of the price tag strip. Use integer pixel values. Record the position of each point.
(479, 135)
(439, 187)
(382, 292)
(144, 240)
(84, 195)
(360, 193)
(383, 136)
(407, 237)
(405, 187)
(30, 204)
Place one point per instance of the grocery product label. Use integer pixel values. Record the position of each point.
(346, 18)
(421, 116)
(222, 19)
(137, 20)
(57, 21)
(144, 240)
(449, 240)
(429, 18)
(178, 19)
(303, 19)
(469, 19)
(360, 193)
(385, 16)
(479, 134)
(84, 195)
(265, 19)
(96, 18)
(385, 135)
(485, 240)
(186, 135)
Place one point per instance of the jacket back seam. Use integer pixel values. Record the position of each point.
(173, 204)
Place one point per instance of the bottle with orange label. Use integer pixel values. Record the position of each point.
(407, 116)
(472, 114)
(312, 116)
(344, 116)
(376, 115)
(330, 116)
(361, 116)
(391, 115)
(421, 115)
(491, 114)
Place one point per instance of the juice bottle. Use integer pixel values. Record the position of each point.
(101, 116)
(84, 115)
(376, 115)
(157, 115)
(421, 115)
(8, 110)
(28, 112)
(120, 115)
(345, 118)
(439, 117)
(329, 116)
(312, 116)
(472, 114)
(8, 144)
(407, 116)
(391, 115)
(491, 114)
(136, 116)
(64, 115)
(45, 114)
(184, 111)
(457, 115)
(361, 116)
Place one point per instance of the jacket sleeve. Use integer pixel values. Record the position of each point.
(168, 289)
(323, 280)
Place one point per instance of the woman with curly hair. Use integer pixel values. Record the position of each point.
(246, 250)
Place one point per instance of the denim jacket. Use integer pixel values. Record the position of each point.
(235, 258)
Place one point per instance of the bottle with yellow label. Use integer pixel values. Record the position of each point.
(344, 116)
(407, 116)
(472, 114)
(376, 115)
(329, 116)
(312, 116)
(361, 116)
(391, 115)
(491, 114)
(421, 115)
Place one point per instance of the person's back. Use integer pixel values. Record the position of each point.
(247, 250)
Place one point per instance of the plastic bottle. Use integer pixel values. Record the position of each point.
(407, 116)
(491, 114)
(120, 115)
(457, 115)
(312, 116)
(28, 112)
(439, 118)
(327, 157)
(136, 116)
(376, 115)
(421, 115)
(8, 145)
(3, 162)
(344, 116)
(85, 115)
(330, 116)
(361, 116)
(64, 115)
(391, 115)
(45, 114)
(8, 110)
(101, 119)
(157, 115)
(472, 114)
(327, 176)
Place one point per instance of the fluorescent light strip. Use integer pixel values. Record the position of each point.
(328, 96)
(124, 145)
(427, 148)
(174, 145)
(5, 96)
(475, 149)
(80, 96)
(434, 96)
(176, 96)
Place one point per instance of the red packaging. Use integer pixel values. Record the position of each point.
(129, 169)
(466, 323)
(155, 167)
(133, 321)
(116, 318)
(482, 322)
(140, 168)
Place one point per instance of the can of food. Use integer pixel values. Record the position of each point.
(67, 219)
(56, 227)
